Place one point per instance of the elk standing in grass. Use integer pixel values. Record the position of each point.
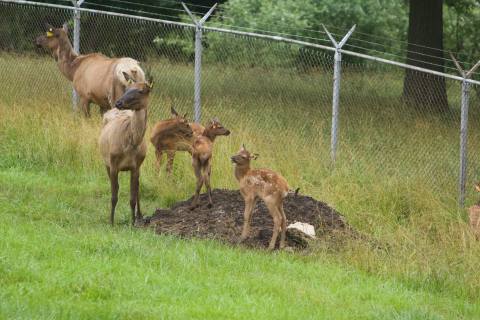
(474, 216)
(95, 77)
(202, 149)
(122, 143)
(265, 184)
(168, 140)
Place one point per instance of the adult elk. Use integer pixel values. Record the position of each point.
(95, 77)
(122, 143)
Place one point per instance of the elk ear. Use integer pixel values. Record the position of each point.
(129, 79)
(254, 156)
(65, 27)
(50, 29)
(173, 111)
(185, 115)
(216, 120)
(150, 84)
(243, 147)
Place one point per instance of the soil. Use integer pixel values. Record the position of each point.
(225, 219)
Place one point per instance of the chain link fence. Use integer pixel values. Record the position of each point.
(273, 94)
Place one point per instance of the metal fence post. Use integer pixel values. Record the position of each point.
(462, 178)
(336, 89)
(463, 144)
(198, 59)
(76, 42)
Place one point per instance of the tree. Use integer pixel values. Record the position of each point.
(425, 49)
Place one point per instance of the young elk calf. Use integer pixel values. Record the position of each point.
(121, 142)
(202, 149)
(265, 184)
(474, 215)
(170, 135)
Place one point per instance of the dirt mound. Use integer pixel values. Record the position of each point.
(225, 219)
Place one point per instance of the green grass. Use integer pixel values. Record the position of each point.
(395, 181)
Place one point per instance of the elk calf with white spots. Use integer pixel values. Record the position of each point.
(265, 184)
(202, 149)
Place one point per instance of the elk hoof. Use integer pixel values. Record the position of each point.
(141, 223)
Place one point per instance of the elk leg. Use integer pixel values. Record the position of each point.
(198, 174)
(158, 155)
(247, 217)
(206, 178)
(277, 220)
(283, 235)
(85, 106)
(114, 184)
(170, 157)
(134, 197)
(139, 212)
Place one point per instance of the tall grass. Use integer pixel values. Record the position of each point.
(394, 179)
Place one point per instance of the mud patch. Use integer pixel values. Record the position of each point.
(225, 219)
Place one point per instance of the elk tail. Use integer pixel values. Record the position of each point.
(295, 192)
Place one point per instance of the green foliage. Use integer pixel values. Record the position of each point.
(461, 30)
(305, 18)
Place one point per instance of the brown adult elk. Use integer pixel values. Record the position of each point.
(95, 77)
(265, 184)
(171, 135)
(122, 143)
(202, 150)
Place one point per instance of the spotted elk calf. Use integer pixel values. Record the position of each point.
(202, 150)
(265, 184)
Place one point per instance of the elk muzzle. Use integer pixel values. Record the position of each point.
(39, 41)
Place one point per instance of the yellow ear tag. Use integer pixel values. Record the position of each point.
(49, 34)
(130, 81)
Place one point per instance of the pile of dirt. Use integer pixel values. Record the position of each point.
(225, 219)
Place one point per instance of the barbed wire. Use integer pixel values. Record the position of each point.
(218, 13)
(291, 35)
(159, 15)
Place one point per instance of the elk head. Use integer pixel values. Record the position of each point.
(136, 97)
(52, 38)
(243, 157)
(215, 128)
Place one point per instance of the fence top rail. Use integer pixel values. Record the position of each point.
(250, 34)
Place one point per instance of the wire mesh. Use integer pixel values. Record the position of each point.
(275, 97)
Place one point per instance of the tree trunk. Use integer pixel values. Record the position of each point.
(425, 29)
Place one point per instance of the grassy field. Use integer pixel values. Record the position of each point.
(395, 181)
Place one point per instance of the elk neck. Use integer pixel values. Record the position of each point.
(138, 126)
(209, 133)
(241, 170)
(66, 57)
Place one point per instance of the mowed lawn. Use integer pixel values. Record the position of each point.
(59, 257)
